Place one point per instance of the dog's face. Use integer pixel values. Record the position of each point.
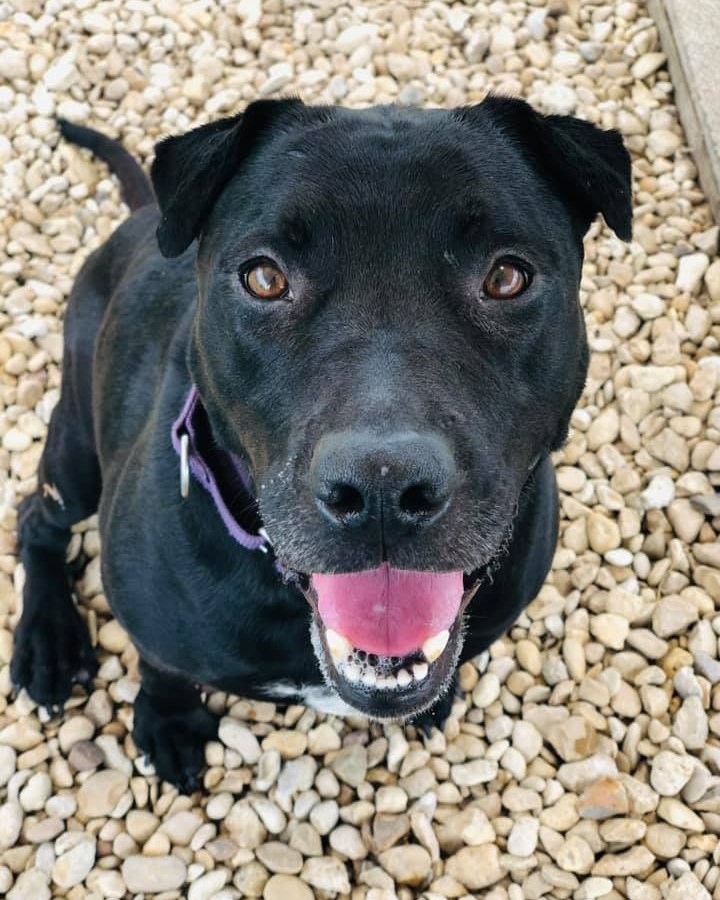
(388, 330)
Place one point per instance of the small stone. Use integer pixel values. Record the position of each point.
(409, 864)
(685, 520)
(323, 739)
(85, 756)
(286, 887)
(289, 744)
(153, 874)
(113, 637)
(572, 739)
(36, 792)
(11, 820)
(712, 281)
(30, 885)
(240, 739)
(350, 765)
(476, 868)
(647, 65)
(677, 814)
(209, 885)
(77, 728)
(575, 855)
(604, 428)
(610, 629)
(278, 857)
(635, 861)
(691, 269)
(181, 827)
(659, 493)
(99, 795)
(691, 724)
(355, 36)
(687, 887)
(478, 771)
(670, 772)
(8, 761)
(559, 99)
(141, 824)
(663, 142)
(523, 838)
(13, 64)
(326, 874)
(486, 691)
(603, 799)
(673, 615)
(528, 656)
(603, 533)
(477, 46)
(390, 799)
(72, 868)
(502, 40)
(576, 776)
(664, 841)
(347, 841)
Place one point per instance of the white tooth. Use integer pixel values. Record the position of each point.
(369, 678)
(351, 672)
(420, 670)
(403, 678)
(339, 646)
(434, 646)
(391, 682)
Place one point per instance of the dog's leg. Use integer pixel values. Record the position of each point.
(52, 646)
(172, 726)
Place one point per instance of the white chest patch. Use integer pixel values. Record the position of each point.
(319, 697)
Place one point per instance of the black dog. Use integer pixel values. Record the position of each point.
(352, 345)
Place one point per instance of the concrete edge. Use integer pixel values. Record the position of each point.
(688, 102)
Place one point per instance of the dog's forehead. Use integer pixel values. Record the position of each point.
(422, 147)
(390, 161)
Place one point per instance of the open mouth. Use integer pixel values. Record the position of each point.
(388, 640)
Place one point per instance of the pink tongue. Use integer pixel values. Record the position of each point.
(387, 611)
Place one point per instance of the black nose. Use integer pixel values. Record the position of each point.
(399, 481)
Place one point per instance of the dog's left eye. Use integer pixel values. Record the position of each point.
(507, 279)
(264, 280)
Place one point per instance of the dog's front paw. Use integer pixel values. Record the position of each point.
(52, 651)
(437, 715)
(174, 741)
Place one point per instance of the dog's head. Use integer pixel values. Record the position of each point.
(388, 331)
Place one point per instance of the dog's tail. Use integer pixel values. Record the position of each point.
(134, 183)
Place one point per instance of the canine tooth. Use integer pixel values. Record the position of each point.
(403, 678)
(420, 670)
(351, 672)
(339, 646)
(434, 646)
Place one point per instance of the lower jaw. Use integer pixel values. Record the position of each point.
(388, 688)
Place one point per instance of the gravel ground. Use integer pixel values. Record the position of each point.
(584, 759)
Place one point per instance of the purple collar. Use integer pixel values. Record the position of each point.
(190, 423)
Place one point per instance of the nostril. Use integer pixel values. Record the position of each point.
(343, 500)
(420, 500)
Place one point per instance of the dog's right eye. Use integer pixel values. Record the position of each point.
(264, 280)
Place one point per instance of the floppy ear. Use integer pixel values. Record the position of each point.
(189, 172)
(590, 167)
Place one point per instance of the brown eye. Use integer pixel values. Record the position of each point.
(264, 280)
(507, 279)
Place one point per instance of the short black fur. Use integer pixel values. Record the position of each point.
(386, 221)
